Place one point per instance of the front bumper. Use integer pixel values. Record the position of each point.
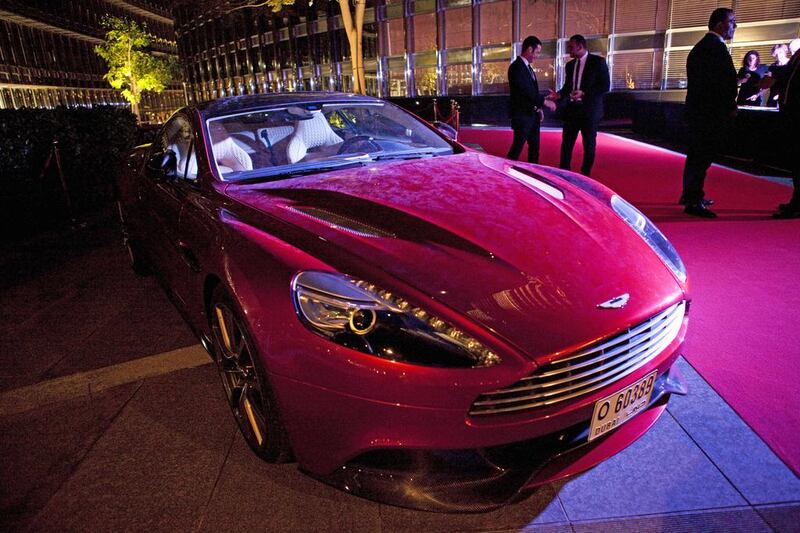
(485, 478)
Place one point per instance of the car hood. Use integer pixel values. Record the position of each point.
(489, 238)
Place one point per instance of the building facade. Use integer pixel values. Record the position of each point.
(457, 47)
(47, 53)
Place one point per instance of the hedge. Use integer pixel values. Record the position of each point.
(91, 143)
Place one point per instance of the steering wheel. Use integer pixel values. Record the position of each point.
(359, 143)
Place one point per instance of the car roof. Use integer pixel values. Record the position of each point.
(237, 104)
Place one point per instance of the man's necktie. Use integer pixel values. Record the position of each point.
(533, 74)
(576, 82)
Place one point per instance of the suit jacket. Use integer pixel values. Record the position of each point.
(711, 92)
(525, 97)
(595, 83)
(790, 100)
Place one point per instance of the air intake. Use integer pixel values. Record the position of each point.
(343, 223)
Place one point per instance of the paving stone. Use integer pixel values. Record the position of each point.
(762, 478)
(155, 467)
(253, 495)
(40, 450)
(782, 518)
(662, 472)
(540, 508)
(721, 521)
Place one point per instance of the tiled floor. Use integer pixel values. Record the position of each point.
(165, 455)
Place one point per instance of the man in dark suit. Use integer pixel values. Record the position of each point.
(586, 82)
(710, 107)
(790, 115)
(526, 104)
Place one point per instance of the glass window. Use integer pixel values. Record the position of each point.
(397, 78)
(289, 80)
(539, 18)
(496, 22)
(283, 54)
(303, 50)
(676, 69)
(178, 136)
(423, 6)
(241, 57)
(494, 77)
(588, 17)
(370, 39)
(425, 79)
(424, 32)
(371, 82)
(637, 70)
(459, 79)
(496, 53)
(545, 72)
(641, 15)
(458, 27)
(396, 37)
(340, 45)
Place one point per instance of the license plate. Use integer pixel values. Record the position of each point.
(613, 411)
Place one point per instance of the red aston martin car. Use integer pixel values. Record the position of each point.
(410, 320)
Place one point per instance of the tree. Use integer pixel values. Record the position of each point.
(353, 21)
(130, 67)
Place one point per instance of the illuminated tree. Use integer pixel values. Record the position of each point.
(131, 68)
(352, 20)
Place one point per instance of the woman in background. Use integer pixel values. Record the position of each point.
(777, 71)
(750, 79)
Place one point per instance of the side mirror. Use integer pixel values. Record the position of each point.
(446, 129)
(162, 165)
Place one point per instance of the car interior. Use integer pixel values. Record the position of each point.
(291, 135)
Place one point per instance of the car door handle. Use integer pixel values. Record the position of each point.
(189, 256)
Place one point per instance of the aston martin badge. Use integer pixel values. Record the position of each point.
(615, 303)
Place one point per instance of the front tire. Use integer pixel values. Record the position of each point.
(249, 396)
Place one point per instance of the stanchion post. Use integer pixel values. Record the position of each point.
(64, 187)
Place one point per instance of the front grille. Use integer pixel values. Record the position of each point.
(588, 370)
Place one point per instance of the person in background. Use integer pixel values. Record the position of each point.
(526, 104)
(710, 107)
(749, 79)
(790, 115)
(776, 74)
(586, 82)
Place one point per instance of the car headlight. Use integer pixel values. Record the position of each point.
(363, 317)
(651, 234)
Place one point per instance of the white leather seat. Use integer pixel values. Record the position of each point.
(311, 133)
(275, 134)
(230, 157)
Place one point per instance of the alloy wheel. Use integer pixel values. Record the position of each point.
(235, 361)
(248, 394)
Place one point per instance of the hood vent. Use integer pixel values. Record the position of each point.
(535, 182)
(342, 222)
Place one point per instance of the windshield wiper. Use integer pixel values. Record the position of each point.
(409, 154)
(260, 175)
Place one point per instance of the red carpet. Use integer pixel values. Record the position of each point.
(744, 267)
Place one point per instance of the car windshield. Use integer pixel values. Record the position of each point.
(279, 142)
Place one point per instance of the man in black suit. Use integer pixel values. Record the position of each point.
(790, 115)
(587, 80)
(526, 104)
(710, 107)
